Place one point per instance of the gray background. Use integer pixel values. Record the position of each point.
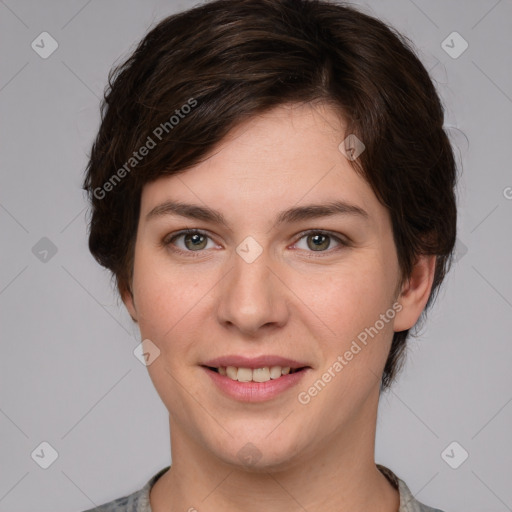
(68, 375)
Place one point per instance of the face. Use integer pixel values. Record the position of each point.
(308, 286)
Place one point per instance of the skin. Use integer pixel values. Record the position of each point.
(318, 456)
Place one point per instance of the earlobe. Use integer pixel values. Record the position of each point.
(129, 303)
(415, 292)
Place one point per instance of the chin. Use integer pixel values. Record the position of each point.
(259, 456)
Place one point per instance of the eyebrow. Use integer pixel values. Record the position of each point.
(295, 214)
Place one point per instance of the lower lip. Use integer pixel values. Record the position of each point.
(255, 391)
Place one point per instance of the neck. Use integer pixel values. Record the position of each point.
(336, 473)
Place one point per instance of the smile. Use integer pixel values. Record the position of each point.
(247, 388)
(263, 374)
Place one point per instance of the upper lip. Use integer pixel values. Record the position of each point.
(253, 362)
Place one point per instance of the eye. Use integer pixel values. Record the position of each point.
(194, 240)
(320, 241)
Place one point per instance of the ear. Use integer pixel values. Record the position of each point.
(129, 302)
(415, 292)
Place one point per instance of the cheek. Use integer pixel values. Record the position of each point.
(353, 338)
(166, 295)
(350, 296)
(351, 303)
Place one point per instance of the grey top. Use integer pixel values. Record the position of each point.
(139, 500)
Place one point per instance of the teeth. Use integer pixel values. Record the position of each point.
(244, 375)
(257, 375)
(232, 372)
(275, 372)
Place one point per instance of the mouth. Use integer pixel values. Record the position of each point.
(255, 383)
(263, 374)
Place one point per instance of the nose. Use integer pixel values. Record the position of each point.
(252, 297)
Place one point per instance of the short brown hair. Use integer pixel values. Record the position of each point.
(232, 59)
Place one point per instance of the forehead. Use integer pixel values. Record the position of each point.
(287, 156)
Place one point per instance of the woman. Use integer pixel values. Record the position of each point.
(273, 191)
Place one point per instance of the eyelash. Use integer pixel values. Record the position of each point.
(167, 241)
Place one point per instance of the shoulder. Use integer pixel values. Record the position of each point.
(137, 501)
(408, 503)
(124, 504)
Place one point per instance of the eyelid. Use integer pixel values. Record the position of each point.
(185, 231)
(332, 234)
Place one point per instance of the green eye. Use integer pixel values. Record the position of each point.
(194, 240)
(320, 241)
